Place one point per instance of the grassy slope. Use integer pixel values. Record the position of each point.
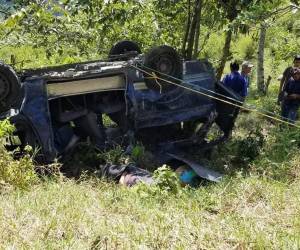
(251, 213)
(257, 206)
(241, 212)
(244, 211)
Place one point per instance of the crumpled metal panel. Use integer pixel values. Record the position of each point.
(35, 108)
(200, 170)
(152, 108)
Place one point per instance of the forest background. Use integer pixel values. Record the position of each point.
(256, 206)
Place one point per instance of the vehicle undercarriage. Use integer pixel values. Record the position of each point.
(54, 108)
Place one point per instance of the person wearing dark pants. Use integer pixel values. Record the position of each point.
(236, 82)
(291, 99)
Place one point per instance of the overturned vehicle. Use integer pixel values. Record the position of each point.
(156, 98)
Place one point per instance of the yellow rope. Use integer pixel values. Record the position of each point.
(213, 92)
(153, 75)
(157, 82)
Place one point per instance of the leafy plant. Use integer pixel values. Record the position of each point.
(115, 155)
(166, 180)
(249, 148)
(6, 128)
(16, 173)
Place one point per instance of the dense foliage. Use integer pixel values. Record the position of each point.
(52, 32)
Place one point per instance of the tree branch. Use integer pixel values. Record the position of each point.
(4, 12)
(187, 30)
(284, 10)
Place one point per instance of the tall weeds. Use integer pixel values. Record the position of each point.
(14, 173)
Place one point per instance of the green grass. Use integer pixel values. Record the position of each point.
(239, 213)
(256, 206)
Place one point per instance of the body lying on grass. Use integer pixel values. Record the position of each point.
(114, 165)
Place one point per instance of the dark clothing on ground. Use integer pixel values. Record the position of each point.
(132, 174)
(236, 82)
(289, 107)
(85, 158)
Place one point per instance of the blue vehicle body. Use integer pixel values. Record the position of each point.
(54, 112)
(153, 108)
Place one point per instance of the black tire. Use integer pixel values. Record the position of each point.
(10, 87)
(166, 60)
(123, 47)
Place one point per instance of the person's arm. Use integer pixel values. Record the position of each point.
(247, 78)
(249, 81)
(282, 85)
(224, 81)
(285, 87)
(284, 79)
(245, 87)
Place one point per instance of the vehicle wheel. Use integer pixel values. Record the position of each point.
(10, 87)
(166, 64)
(124, 47)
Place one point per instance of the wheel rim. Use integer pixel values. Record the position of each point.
(4, 87)
(165, 65)
(166, 62)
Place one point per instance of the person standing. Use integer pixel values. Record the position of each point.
(287, 74)
(291, 97)
(245, 72)
(238, 85)
(236, 81)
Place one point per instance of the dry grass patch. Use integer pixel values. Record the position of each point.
(240, 213)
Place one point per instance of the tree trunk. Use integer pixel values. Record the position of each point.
(191, 40)
(187, 30)
(260, 58)
(266, 89)
(206, 38)
(225, 54)
(197, 33)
